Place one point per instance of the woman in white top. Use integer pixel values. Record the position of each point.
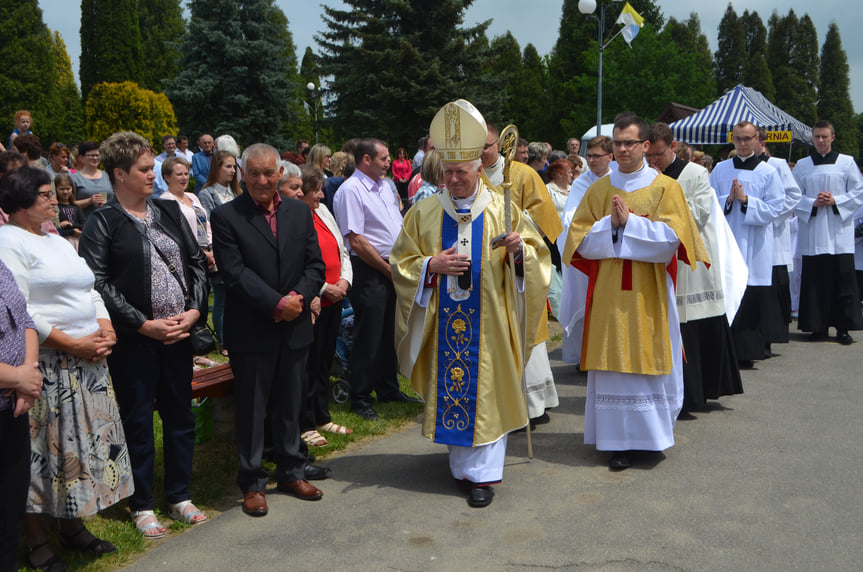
(175, 171)
(80, 461)
(560, 179)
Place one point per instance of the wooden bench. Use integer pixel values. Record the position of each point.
(216, 381)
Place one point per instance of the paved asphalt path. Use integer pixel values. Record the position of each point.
(767, 480)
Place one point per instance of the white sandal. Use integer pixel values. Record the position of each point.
(314, 439)
(335, 428)
(186, 512)
(148, 525)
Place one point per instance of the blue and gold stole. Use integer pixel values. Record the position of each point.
(459, 324)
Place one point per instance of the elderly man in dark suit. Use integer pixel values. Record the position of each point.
(267, 251)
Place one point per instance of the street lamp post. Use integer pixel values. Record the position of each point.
(313, 90)
(588, 7)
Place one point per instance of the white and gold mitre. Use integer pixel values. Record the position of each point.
(459, 132)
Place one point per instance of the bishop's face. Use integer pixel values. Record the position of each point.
(461, 178)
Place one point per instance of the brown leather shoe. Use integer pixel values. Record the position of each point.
(255, 503)
(301, 489)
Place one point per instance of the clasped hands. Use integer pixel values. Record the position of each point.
(171, 329)
(824, 198)
(737, 193)
(619, 212)
(95, 347)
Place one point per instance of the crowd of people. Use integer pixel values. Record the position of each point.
(108, 255)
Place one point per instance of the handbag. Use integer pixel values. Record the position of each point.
(201, 337)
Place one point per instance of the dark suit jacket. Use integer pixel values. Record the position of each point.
(258, 271)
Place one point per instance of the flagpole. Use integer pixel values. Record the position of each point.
(588, 7)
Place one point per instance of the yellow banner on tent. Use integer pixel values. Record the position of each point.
(773, 137)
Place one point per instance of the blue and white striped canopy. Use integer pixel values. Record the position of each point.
(711, 125)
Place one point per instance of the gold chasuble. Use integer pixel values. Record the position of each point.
(463, 351)
(626, 326)
(529, 193)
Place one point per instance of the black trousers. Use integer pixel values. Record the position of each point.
(147, 372)
(316, 403)
(373, 356)
(268, 388)
(752, 323)
(14, 484)
(828, 294)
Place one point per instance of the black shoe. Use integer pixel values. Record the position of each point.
(399, 397)
(818, 336)
(78, 541)
(746, 364)
(52, 564)
(844, 338)
(541, 420)
(366, 412)
(619, 461)
(316, 473)
(480, 496)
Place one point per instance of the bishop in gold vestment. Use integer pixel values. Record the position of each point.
(464, 306)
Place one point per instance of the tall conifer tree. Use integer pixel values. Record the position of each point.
(756, 73)
(36, 75)
(834, 99)
(238, 73)
(730, 57)
(110, 43)
(393, 63)
(162, 27)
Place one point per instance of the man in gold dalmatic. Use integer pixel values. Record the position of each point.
(627, 235)
(464, 303)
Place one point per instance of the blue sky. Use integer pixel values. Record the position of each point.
(537, 22)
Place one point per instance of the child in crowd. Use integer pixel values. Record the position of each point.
(71, 217)
(22, 125)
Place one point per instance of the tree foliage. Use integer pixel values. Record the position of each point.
(730, 56)
(792, 56)
(110, 43)
(113, 107)
(162, 28)
(834, 99)
(572, 66)
(756, 72)
(238, 73)
(393, 63)
(36, 75)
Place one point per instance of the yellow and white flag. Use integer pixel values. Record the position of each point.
(631, 21)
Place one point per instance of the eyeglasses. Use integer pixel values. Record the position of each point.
(492, 144)
(596, 155)
(629, 143)
(658, 153)
(92, 155)
(47, 195)
(742, 138)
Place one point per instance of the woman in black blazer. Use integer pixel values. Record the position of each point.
(152, 276)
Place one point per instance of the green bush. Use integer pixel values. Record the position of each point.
(113, 107)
